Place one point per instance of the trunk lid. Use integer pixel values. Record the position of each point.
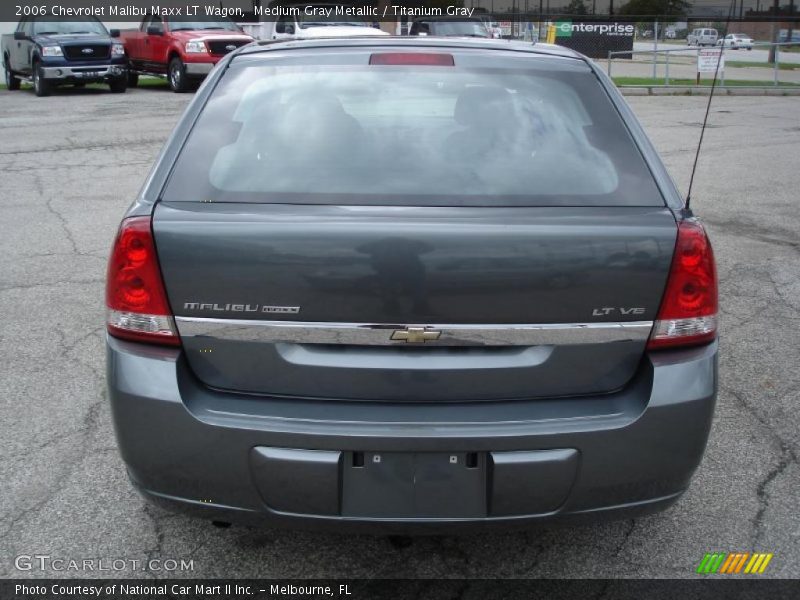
(335, 301)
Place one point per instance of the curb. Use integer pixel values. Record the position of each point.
(656, 90)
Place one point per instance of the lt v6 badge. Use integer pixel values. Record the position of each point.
(605, 311)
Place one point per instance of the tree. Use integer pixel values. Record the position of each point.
(576, 7)
(655, 8)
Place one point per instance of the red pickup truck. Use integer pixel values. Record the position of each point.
(183, 50)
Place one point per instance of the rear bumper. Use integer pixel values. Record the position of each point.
(290, 461)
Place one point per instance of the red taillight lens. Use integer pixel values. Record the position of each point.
(688, 313)
(135, 297)
(427, 59)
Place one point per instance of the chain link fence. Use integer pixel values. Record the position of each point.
(682, 65)
(655, 52)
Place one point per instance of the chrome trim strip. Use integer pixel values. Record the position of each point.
(380, 334)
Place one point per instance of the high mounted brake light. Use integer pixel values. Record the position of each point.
(426, 59)
(688, 313)
(136, 302)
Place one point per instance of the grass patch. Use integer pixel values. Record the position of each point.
(747, 65)
(153, 82)
(622, 81)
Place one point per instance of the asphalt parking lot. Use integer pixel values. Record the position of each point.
(70, 165)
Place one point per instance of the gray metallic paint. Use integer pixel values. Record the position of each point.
(188, 446)
(415, 265)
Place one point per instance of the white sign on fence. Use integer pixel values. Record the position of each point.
(707, 60)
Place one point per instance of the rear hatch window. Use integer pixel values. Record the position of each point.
(493, 129)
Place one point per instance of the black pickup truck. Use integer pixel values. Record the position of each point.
(51, 52)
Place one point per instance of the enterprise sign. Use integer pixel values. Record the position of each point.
(595, 39)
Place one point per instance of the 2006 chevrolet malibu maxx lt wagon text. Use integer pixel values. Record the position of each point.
(407, 285)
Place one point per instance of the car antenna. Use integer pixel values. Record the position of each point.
(708, 106)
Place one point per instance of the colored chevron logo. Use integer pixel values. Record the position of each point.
(734, 563)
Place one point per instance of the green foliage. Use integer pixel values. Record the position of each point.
(655, 7)
(575, 7)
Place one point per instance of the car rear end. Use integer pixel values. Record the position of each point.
(410, 285)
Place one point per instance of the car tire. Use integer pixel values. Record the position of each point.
(118, 85)
(12, 83)
(41, 87)
(133, 79)
(178, 81)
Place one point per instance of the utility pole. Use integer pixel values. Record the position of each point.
(774, 31)
(791, 15)
(389, 27)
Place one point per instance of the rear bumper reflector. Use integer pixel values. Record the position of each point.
(361, 334)
(677, 330)
(155, 325)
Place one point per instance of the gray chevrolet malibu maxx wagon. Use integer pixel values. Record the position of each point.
(410, 285)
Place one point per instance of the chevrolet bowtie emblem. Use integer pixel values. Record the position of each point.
(415, 335)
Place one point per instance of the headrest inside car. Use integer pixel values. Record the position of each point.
(483, 105)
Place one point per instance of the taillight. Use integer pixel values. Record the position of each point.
(136, 302)
(688, 313)
(426, 59)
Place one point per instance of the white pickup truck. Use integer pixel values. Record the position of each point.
(315, 20)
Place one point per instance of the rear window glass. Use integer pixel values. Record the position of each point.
(400, 135)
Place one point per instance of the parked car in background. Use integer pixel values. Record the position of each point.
(182, 49)
(736, 41)
(450, 27)
(313, 24)
(410, 284)
(702, 37)
(50, 52)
